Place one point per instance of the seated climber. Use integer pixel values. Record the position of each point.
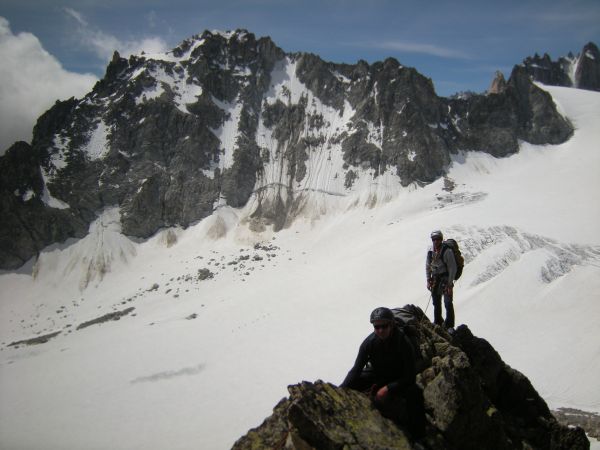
(385, 368)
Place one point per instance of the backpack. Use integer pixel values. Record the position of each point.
(458, 257)
(404, 319)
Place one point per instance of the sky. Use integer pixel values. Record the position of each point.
(57, 49)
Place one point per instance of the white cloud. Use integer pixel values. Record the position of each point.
(427, 49)
(77, 16)
(31, 80)
(104, 45)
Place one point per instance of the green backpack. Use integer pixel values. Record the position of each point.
(458, 257)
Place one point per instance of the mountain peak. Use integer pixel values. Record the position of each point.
(581, 71)
(226, 119)
(238, 33)
(498, 84)
(590, 50)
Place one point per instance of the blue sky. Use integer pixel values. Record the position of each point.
(459, 44)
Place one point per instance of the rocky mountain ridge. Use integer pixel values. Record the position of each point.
(581, 71)
(473, 400)
(228, 119)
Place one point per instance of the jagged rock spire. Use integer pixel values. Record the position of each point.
(587, 73)
(581, 71)
(498, 85)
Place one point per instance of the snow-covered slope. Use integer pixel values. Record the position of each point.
(225, 316)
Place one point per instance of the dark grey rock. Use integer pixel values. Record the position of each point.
(558, 73)
(587, 73)
(106, 318)
(544, 70)
(495, 123)
(205, 274)
(589, 421)
(321, 416)
(27, 224)
(36, 340)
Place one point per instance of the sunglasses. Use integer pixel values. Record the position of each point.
(381, 327)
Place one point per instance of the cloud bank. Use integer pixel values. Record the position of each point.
(31, 80)
(103, 45)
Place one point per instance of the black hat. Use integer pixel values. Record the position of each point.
(382, 313)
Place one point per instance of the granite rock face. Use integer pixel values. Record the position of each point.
(498, 85)
(28, 224)
(496, 122)
(229, 119)
(581, 71)
(587, 73)
(473, 400)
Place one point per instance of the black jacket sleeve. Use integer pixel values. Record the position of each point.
(352, 379)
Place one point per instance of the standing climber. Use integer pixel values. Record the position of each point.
(440, 270)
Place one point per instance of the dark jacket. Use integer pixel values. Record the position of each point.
(392, 362)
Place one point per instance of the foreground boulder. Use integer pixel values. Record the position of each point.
(473, 400)
(319, 415)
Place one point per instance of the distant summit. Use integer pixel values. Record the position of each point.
(581, 71)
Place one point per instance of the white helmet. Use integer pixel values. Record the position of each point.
(437, 234)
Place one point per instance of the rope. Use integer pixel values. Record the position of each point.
(428, 302)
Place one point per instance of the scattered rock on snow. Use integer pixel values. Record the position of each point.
(205, 274)
(106, 318)
(36, 340)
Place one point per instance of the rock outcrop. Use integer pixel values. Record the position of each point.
(473, 400)
(587, 72)
(28, 224)
(496, 122)
(321, 416)
(498, 85)
(589, 421)
(225, 118)
(581, 71)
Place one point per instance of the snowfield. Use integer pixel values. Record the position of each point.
(216, 320)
